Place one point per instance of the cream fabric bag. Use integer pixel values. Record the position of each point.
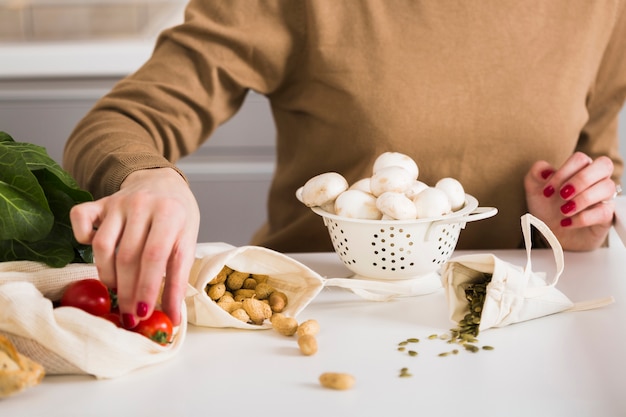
(68, 340)
(297, 281)
(515, 294)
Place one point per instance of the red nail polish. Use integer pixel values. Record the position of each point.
(566, 222)
(546, 173)
(128, 320)
(567, 191)
(568, 207)
(548, 191)
(142, 309)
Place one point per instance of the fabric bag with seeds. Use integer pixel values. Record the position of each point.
(67, 340)
(277, 272)
(508, 293)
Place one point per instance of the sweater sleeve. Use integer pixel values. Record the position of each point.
(606, 99)
(196, 79)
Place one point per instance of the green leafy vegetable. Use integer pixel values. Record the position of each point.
(36, 196)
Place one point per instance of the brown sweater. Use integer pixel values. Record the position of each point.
(476, 91)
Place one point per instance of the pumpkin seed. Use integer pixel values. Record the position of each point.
(471, 348)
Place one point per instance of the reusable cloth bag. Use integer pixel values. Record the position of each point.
(67, 340)
(297, 281)
(514, 294)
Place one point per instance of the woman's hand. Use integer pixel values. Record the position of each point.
(574, 200)
(143, 236)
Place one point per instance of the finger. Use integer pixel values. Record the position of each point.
(177, 277)
(157, 249)
(542, 170)
(599, 170)
(128, 266)
(85, 218)
(104, 244)
(573, 165)
(599, 192)
(600, 214)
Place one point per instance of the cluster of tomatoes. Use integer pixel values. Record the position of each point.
(92, 296)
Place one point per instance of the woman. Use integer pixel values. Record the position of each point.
(517, 100)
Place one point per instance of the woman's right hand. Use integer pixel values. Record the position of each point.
(143, 236)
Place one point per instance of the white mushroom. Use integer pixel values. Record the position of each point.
(329, 207)
(357, 204)
(322, 189)
(397, 206)
(454, 190)
(387, 159)
(415, 188)
(363, 184)
(432, 202)
(391, 178)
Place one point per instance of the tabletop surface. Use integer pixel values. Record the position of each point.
(567, 364)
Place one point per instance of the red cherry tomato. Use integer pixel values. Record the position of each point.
(157, 327)
(90, 295)
(114, 318)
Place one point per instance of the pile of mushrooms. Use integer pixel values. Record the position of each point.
(392, 192)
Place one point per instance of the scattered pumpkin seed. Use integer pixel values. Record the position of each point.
(466, 332)
(471, 348)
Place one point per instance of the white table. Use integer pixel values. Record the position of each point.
(569, 364)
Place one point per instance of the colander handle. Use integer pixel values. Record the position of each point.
(479, 213)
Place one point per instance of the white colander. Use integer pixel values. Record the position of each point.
(399, 249)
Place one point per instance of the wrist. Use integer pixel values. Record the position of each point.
(149, 174)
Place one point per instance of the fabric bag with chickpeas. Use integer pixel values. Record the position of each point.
(243, 287)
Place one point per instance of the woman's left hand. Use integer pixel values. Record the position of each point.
(574, 200)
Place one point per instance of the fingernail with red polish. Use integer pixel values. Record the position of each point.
(128, 320)
(566, 222)
(546, 173)
(568, 207)
(142, 309)
(548, 191)
(567, 191)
